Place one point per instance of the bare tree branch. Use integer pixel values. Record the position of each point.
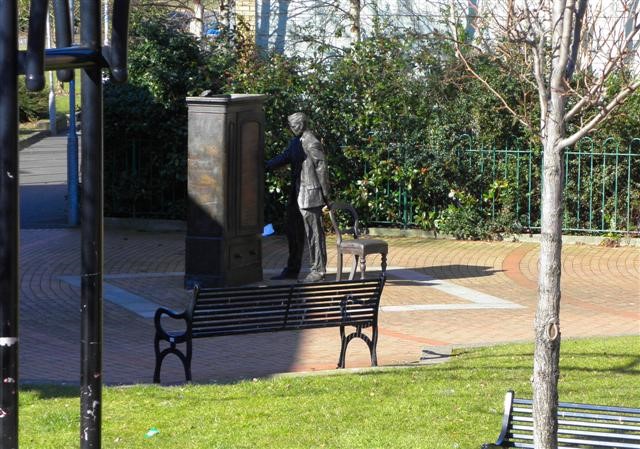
(591, 97)
(480, 78)
(600, 116)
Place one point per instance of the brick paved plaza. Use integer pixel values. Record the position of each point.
(440, 294)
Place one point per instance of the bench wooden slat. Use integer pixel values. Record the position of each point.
(564, 422)
(272, 308)
(243, 330)
(603, 408)
(205, 293)
(587, 416)
(574, 442)
(582, 443)
(226, 313)
(247, 322)
(575, 431)
(332, 286)
(360, 294)
(219, 332)
(337, 303)
(584, 426)
(310, 321)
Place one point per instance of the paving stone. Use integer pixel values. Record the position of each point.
(601, 297)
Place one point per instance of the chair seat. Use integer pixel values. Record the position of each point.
(364, 246)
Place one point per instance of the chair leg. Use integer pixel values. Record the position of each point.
(339, 266)
(353, 267)
(363, 266)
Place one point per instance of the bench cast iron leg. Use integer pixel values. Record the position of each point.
(371, 344)
(343, 348)
(160, 355)
(159, 358)
(187, 361)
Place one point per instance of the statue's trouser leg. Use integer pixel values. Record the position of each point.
(312, 218)
(295, 237)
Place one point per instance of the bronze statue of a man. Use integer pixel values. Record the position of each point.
(310, 192)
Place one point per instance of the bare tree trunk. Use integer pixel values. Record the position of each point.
(196, 27)
(553, 32)
(547, 322)
(355, 19)
(546, 359)
(227, 13)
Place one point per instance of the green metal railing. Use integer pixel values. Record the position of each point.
(138, 183)
(394, 187)
(600, 183)
(601, 193)
(511, 169)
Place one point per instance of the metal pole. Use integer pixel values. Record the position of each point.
(72, 145)
(105, 41)
(9, 225)
(92, 235)
(53, 128)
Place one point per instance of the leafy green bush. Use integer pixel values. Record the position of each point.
(31, 105)
(401, 121)
(281, 79)
(146, 119)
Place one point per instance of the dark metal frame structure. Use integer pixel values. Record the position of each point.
(92, 58)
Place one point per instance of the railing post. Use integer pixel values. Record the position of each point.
(629, 155)
(9, 225)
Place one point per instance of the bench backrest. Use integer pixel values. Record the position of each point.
(579, 425)
(231, 311)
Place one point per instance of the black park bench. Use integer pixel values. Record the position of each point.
(583, 426)
(249, 310)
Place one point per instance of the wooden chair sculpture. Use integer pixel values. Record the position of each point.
(360, 248)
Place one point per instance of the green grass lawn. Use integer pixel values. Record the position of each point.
(452, 405)
(28, 129)
(62, 97)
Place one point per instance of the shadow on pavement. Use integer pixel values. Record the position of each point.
(43, 206)
(444, 272)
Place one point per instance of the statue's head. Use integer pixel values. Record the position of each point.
(297, 123)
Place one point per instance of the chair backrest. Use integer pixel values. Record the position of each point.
(344, 223)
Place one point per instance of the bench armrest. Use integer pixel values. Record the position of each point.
(170, 336)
